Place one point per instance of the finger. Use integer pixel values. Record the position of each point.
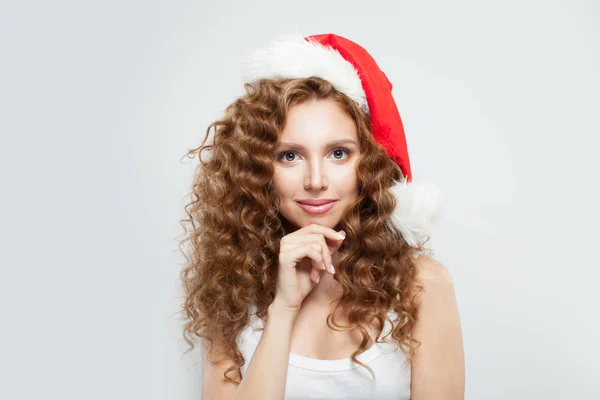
(331, 245)
(328, 259)
(325, 247)
(311, 237)
(327, 232)
(306, 238)
(321, 266)
(312, 251)
(315, 274)
(301, 236)
(336, 246)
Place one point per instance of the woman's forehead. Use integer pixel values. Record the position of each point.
(318, 120)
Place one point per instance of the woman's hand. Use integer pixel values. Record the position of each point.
(295, 279)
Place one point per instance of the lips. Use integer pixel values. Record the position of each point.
(316, 202)
(317, 209)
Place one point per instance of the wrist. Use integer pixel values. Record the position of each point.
(281, 310)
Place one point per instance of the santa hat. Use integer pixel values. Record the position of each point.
(352, 71)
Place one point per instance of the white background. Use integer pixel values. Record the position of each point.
(101, 100)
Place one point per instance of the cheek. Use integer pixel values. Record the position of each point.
(348, 181)
(284, 183)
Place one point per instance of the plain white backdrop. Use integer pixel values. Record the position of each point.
(101, 100)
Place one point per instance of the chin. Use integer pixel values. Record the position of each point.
(301, 221)
(327, 221)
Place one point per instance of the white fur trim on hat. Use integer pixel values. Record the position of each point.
(295, 57)
(418, 206)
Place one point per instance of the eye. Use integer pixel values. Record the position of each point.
(340, 150)
(285, 153)
(338, 154)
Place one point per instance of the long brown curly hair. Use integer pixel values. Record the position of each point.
(233, 227)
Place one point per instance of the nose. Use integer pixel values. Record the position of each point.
(316, 178)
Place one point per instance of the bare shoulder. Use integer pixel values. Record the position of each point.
(438, 286)
(430, 269)
(438, 370)
(214, 385)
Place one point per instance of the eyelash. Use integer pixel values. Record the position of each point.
(281, 154)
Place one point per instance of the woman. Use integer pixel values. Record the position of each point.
(306, 277)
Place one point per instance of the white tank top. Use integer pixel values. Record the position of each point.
(311, 378)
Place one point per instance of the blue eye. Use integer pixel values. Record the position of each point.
(335, 152)
(341, 150)
(283, 153)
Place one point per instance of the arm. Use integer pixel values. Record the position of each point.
(266, 375)
(438, 370)
(267, 372)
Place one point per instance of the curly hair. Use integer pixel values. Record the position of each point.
(233, 227)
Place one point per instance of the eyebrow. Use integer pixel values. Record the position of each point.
(330, 144)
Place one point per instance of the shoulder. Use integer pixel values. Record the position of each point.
(214, 366)
(438, 367)
(429, 269)
(435, 284)
(438, 292)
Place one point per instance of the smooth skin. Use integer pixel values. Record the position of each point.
(318, 169)
(437, 371)
(313, 242)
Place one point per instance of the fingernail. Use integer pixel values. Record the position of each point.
(332, 269)
(318, 278)
(341, 236)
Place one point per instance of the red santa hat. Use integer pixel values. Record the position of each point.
(352, 71)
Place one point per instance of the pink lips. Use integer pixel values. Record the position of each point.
(317, 209)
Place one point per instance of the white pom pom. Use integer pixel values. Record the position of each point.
(418, 206)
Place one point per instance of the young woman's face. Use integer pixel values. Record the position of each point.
(316, 160)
